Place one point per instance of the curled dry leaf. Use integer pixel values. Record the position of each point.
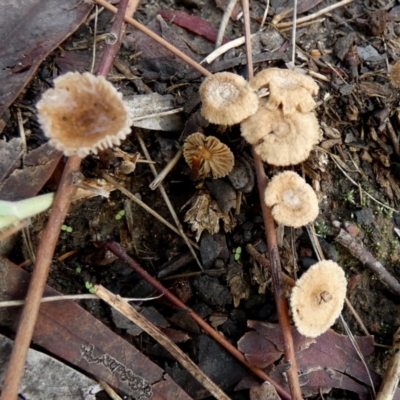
(206, 156)
(318, 297)
(287, 89)
(294, 202)
(82, 114)
(227, 99)
(395, 74)
(278, 139)
(204, 214)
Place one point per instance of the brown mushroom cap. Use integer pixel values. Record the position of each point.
(294, 202)
(213, 156)
(288, 89)
(227, 99)
(317, 298)
(281, 140)
(82, 114)
(395, 74)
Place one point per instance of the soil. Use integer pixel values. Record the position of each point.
(355, 107)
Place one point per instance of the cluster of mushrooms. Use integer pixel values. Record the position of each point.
(85, 113)
(283, 129)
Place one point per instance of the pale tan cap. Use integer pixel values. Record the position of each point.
(83, 113)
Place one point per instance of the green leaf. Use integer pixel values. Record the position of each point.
(237, 257)
(78, 270)
(92, 290)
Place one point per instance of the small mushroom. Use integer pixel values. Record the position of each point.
(82, 114)
(227, 99)
(278, 139)
(294, 202)
(290, 90)
(317, 298)
(206, 155)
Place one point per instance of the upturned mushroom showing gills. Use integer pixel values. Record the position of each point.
(317, 298)
(293, 202)
(287, 89)
(82, 114)
(278, 139)
(206, 156)
(227, 99)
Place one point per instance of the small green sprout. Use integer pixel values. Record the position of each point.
(238, 253)
(120, 214)
(388, 213)
(66, 228)
(349, 196)
(78, 270)
(322, 229)
(89, 286)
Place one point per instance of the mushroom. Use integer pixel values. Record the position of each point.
(317, 298)
(82, 114)
(294, 202)
(278, 139)
(227, 99)
(288, 89)
(207, 155)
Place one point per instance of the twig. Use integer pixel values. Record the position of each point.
(109, 390)
(128, 194)
(119, 251)
(264, 18)
(166, 199)
(161, 176)
(315, 15)
(357, 250)
(224, 22)
(276, 269)
(14, 303)
(392, 374)
(41, 269)
(158, 39)
(36, 287)
(126, 309)
(294, 22)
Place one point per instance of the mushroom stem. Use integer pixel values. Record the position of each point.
(276, 274)
(44, 256)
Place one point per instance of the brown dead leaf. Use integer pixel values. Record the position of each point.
(326, 362)
(68, 331)
(30, 30)
(239, 286)
(38, 166)
(205, 214)
(10, 155)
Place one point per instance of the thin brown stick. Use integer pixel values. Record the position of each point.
(359, 251)
(113, 40)
(126, 309)
(275, 263)
(313, 16)
(157, 38)
(44, 257)
(276, 273)
(119, 252)
(39, 277)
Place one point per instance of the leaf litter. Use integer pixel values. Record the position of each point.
(348, 104)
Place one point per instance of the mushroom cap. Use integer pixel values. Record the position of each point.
(82, 114)
(213, 156)
(227, 99)
(281, 140)
(291, 90)
(317, 298)
(395, 74)
(293, 201)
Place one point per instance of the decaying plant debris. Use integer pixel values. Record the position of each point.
(333, 121)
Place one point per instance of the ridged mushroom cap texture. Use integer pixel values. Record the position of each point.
(317, 298)
(83, 113)
(287, 89)
(293, 201)
(278, 139)
(227, 99)
(214, 157)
